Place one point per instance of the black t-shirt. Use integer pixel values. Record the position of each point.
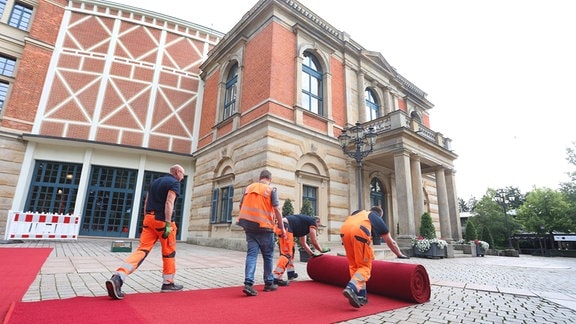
(159, 191)
(378, 225)
(299, 225)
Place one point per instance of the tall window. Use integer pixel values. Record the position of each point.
(311, 193)
(377, 197)
(312, 84)
(3, 93)
(54, 187)
(7, 66)
(21, 15)
(231, 91)
(222, 200)
(372, 109)
(2, 6)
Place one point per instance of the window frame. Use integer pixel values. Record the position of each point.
(312, 71)
(371, 104)
(21, 16)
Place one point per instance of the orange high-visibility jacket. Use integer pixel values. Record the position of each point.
(257, 212)
(358, 221)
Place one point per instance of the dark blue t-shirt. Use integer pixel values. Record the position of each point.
(299, 225)
(158, 192)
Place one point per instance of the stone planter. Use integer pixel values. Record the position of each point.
(434, 252)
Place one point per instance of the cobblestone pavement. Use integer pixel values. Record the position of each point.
(465, 289)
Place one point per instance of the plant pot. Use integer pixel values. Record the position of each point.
(434, 252)
(304, 256)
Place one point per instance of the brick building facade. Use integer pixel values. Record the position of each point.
(105, 97)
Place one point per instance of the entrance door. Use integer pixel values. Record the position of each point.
(377, 199)
(109, 202)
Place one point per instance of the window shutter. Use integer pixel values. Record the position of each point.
(214, 211)
(230, 201)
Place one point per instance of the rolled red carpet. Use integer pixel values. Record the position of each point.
(392, 279)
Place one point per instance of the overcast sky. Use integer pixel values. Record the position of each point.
(501, 74)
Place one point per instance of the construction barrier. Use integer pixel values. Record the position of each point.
(41, 226)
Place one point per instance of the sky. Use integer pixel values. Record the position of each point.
(501, 74)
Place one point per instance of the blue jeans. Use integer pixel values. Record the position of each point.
(264, 242)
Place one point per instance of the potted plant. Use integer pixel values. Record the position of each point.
(305, 210)
(427, 244)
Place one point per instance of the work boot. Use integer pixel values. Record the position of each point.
(114, 287)
(249, 290)
(281, 282)
(171, 287)
(292, 275)
(352, 297)
(270, 286)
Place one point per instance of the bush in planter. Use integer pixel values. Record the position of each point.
(287, 208)
(305, 210)
(427, 236)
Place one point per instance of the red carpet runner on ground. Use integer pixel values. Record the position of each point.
(301, 302)
(18, 269)
(404, 281)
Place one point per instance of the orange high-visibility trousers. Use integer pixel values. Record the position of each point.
(286, 260)
(152, 232)
(356, 241)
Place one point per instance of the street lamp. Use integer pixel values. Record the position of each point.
(504, 200)
(357, 143)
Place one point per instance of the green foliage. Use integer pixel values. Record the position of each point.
(487, 236)
(547, 211)
(307, 208)
(471, 234)
(427, 229)
(287, 208)
(490, 217)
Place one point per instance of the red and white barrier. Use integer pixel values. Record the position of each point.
(41, 226)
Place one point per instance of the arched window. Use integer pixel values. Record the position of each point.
(372, 108)
(231, 91)
(312, 96)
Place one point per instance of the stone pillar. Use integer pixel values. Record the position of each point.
(361, 100)
(404, 198)
(443, 210)
(453, 207)
(417, 189)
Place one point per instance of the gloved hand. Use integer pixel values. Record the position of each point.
(326, 249)
(403, 257)
(316, 254)
(167, 230)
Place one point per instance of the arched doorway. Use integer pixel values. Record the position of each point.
(378, 198)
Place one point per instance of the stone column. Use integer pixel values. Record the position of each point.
(361, 101)
(404, 198)
(443, 209)
(453, 205)
(417, 190)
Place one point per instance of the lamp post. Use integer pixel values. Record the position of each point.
(357, 143)
(503, 199)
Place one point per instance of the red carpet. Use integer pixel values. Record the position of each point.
(301, 302)
(404, 281)
(18, 269)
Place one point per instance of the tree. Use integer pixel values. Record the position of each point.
(490, 217)
(546, 211)
(427, 229)
(569, 188)
(471, 233)
(307, 208)
(287, 208)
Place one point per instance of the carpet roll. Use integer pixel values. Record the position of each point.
(391, 279)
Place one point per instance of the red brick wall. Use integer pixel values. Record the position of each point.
(257, 70)
(338, 92)
(32, 67)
